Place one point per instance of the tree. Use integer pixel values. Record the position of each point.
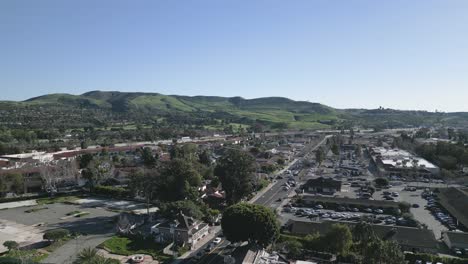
(147, 156)
(335, 149)
(187, 207)
(205, 157)
(91, 256)
(319, 156)
(83, 144)
(294, 248)
(236, 172)
(338, 239)
(250, 222)
(86, 256)
(56, 172)
(358, 151)
(179, 180)
(383, 252)
(84, 160)
(10, 245)
(381, 182)
(16, 182)
(56, 234)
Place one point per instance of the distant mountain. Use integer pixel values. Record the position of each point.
(101, 107)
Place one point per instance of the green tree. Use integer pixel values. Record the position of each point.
(189, 208)
(294, 248)
(10, 245)
(91, 256)
(338, 239)
(84, 160)
(236, 170)
(335, 149)
(179, 180)
(147, 156)
(17, 182)
(381, 182)
(319, 156)
(205, 157)
(250, 222)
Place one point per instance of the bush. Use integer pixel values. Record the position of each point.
(10, 244)
(56, 234)
(381, 182)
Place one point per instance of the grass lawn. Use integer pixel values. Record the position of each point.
(129, 246)
(58, 199)
(32, 255)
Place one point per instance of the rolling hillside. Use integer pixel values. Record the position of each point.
(98, 107)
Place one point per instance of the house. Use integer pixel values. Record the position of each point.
(182, 230)
(455, 239)
(322, 185)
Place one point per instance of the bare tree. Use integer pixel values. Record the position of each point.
(59, 172)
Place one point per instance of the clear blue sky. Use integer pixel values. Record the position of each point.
(343, 53)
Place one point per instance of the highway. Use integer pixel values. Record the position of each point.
(269, 198)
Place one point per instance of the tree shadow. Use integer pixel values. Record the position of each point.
(89, 226)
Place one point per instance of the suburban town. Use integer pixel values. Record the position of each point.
(234, 132)
(57, 204)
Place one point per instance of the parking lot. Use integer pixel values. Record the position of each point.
(26, 224)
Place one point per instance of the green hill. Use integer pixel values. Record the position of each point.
(102, 107)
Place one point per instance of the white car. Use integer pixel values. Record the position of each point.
(217, 240)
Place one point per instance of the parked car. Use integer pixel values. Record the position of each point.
(217, 240)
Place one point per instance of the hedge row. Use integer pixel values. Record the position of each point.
(111, 191)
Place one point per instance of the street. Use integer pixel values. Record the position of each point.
(269, 197)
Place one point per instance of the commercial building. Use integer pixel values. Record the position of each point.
(455, 239)
(409, 238)
(400, 163)
(322, 185)
(455, 201)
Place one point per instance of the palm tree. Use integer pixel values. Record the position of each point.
(87, 256)
(91, 256)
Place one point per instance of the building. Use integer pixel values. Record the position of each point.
(400, 163)
(322, 185)
(455, 201)
(455, 239)
(346, 201)
(409, 238)
(182, 230)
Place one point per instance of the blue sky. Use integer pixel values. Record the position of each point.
(343, 53)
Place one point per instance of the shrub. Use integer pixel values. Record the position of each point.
(10, 244)
(111, 191)
(56, 234)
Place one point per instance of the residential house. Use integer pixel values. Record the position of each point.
(183, 230)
